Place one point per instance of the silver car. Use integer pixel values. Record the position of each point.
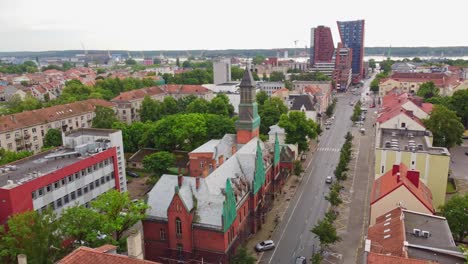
(265, 245)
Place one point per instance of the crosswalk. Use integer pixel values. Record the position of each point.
(329, 149)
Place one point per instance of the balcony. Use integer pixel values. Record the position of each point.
(18, 137)
(27, 136)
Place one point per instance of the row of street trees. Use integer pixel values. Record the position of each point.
(356, 112)
(45, 238)
(324, 229)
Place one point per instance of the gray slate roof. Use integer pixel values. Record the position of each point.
(239, 169)
(302, 100)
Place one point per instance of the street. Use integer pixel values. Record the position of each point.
(293, 237)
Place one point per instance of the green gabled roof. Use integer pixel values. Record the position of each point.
(259, 177)
(229, 206)
(277, 150)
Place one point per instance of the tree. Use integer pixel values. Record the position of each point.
(445, 126)
(221, 105)
(130, 62)
(298, 129)
(158, 162)
(386, 66)
(372, 64)
(277, 76)
(37, 235)
(270, 113)
(157, 61)
(169, 106)
(374, 85)
(326, 233)
(84, 225)
(151, 110)
(427, 90)
(317, 258)
(236, 73)
(456, 212)
(199, 105)
(259, 59)
(460, 106)
(217, 126)
(334, 198)
(242, 257)
(186, 64)
(356, 112)
(120, 213)
(177, 62)
(261, 97)
(104, 118)
(298, 168)
(53, 138)
(7, 156)
(331, 108)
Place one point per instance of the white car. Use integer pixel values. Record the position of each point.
(329, 179)
(265, 245)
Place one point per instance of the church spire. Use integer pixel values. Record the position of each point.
(248, 124)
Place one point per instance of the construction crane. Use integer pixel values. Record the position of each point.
(128, 53)
(295, 46)
(84, 48)
(188, 53)
(109, 54)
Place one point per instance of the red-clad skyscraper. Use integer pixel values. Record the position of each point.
(321, 45)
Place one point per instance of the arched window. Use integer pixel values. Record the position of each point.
(178, 227)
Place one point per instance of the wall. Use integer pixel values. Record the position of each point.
(177, 210)
(433, 169)
(391, 201)
(196, 159)
(398, 120)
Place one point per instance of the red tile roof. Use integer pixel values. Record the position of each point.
(85, 255)
(281, 90)
(389, 182)
(391, 113)
(138, 94)
(395, 227)
(49, 114)
(374, 258)
(185, 89)
(439, 79)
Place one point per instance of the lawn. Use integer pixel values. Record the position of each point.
(450, 188)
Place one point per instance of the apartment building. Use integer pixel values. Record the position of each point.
(128, 104)
(90, 163)
(26, 130)
(270, 87)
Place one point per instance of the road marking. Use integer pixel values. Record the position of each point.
(292, 213)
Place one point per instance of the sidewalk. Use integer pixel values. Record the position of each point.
(279, 208)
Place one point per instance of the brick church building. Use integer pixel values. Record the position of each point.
(230, 186)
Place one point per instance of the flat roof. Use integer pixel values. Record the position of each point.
(90, 132)
(408, 140)
(37, 165)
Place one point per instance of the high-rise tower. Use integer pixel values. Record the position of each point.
(321, 45)
(248, 124)
(352, 36)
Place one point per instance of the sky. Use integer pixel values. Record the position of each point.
(38, 25)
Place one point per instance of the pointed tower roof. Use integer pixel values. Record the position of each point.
(247, 79)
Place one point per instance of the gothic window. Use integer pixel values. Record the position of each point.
(162, 233)
(178, 227)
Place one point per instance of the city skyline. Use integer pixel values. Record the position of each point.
(146, 25)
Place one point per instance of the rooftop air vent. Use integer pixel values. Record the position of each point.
(417, 232)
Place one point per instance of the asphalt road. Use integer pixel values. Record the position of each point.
(293, 237)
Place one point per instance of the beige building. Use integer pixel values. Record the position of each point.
(414, 149)
(26, 130)
(129, 103)
(399, 187)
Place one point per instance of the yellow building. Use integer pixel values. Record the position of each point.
(414, 149)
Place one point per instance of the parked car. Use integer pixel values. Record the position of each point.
(265, 245)
(301, 260)
(466, 153)
(329, 180)
(132, 174)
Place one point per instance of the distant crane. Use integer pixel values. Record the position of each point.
(84, 48)
(188, 53)
(295, 46)
(389, 52)
(109, 54)
(128, 53)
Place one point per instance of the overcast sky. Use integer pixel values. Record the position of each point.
(34, 25)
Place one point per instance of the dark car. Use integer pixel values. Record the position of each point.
(301, 260)
(132, 174)
(466, 153)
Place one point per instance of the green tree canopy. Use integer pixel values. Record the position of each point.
(199, 105)
(151, 110)
(459, 103)
(159, 162)
(298, 129)
(277, 76)
(259, 59)
(427, 90)
(242, 257)
(236, 73)
(326, 233)
(119, 211)
(7, 156)
(53, 138)
(104, 118)
(456, 212)
(36, 235)
(445, 126)
(130, 62)
(372, 64)
(261, 97)
(270, 113)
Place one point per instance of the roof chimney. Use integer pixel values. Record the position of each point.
(22, 259)
(398, 178)
(134, 245)
(395, 168)
(180, 178)
(197, 183)
(413, 176)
